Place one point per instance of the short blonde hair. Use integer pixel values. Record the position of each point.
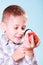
(14, 10)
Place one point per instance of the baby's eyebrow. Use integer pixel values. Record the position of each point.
(16, 25)
(24, 25)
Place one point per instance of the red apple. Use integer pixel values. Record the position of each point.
(36, 39)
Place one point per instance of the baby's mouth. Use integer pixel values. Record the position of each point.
(18, 37)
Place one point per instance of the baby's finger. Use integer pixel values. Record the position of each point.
(32, 41)
(38, 43)
(27, 43)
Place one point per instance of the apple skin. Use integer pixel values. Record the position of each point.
(35, 36)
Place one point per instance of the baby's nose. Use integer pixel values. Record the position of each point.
(20, 32)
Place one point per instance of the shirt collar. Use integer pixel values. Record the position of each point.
(6, 41)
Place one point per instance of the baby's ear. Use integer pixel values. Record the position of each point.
(3, 26)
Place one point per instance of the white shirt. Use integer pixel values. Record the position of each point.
(7, 47)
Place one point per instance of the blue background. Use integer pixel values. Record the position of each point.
(34, 10)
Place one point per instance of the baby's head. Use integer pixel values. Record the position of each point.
(14, 23)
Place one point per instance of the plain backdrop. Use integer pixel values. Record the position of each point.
(34, 10)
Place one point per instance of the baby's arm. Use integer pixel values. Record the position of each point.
(25, 49)
(19, 53)
(27, 54)
(3, 56)
(29, 50)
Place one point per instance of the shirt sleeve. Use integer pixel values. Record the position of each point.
(31, 60)
(1, 55)
(5, 59)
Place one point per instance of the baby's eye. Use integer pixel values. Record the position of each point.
(16, 28)
(23, 28)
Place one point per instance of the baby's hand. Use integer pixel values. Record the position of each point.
(35, 37)
(29, 41)
(18, 54)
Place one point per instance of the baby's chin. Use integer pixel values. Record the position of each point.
(17, 41)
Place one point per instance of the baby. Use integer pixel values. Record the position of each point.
(12, 50)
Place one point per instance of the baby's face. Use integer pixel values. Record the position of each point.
(15, 28)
